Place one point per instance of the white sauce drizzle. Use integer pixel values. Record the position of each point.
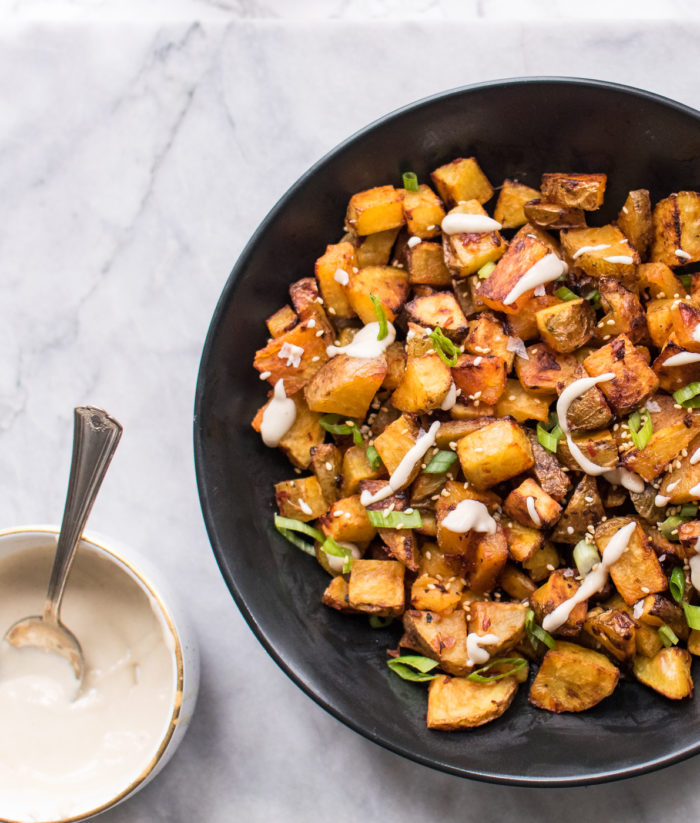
(475, 654)
(585, 249)
(627, 479)
(594, 580)
(412, 242)
(619, 258)
(460, 223)
(638, 609)
(304, 506)
(695, 457)
(336, 563)
(566, 398)
(403, 471)
(540, 291)
(342, 277)
(682, 254)
(549, 268)
(653, 406)
(278, 417)
(695, 491)
(682, 359)
(450, 398)
(532, 511)
(469, 515)
(516, 345)
(672, 486)
(661, 500)
(365, 343)
(291, 353)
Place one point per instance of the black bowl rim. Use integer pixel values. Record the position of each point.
(239, 266)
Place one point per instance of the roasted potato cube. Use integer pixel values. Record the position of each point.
(424, 385)
(480, 377)
(547, 470)
(678, 483)
(544, 370)
(440, 637)
(395, 365)
(423, 211)
(657, 610)
(346, 385)
(516, 583)
(637, 572)
(615, 630)
(336, 596)
(694, 642)
(376, 586)
(489, 554)
(625, 314)
(589, 411)
(347, 521)
(548, 215)
(522, 405)
(326, 462)
(494, 453)
(659, 321)
(648, 641)
(304, 434)
(668, 672)
(523, 541)
(567, 326)
(486, 335)
(541, 563)
(374, 249)
(431, 594)
(339, 257)
(298, 346)
(426, 265)
(301, 499)
(462, 179)
(573, 679)
(524, 324)
(467, 252)
(553, 593)
(438, 309)
(581, 191)
(659, 281)
(532, 506)
(511, 199)
(600, 447)
(434, 563)
(457, 543)
(356, 469)
(308, 304)
(676, 221)
(452, 430)
(387, 283)
(606, 252)
(457, 703)
(635, 220)
(282, 321)
(675, 377)
(634, 381)
(584, 509)
(375, 210)
(685, 316)
(395, 441)
(504, 620)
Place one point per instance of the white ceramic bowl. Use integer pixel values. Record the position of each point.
(175, 624)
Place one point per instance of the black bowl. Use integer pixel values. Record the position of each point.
(518, 129)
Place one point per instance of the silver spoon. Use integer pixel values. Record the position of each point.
(95, 438)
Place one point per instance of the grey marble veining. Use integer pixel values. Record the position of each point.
(135, 161)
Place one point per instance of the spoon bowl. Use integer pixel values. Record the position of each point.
(50, 636)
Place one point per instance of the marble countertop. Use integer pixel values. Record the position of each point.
(136, 157)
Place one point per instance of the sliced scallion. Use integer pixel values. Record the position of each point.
(594, 297)
(289, 528)
(686, 280)
(446, 349)
(486, 270)
(329, 546)
(375, 461)
(410, 181)
(688, 510)
(377, 622)
(517, 664)
(668, 636)
(585, 556)
(687, 393)
(535, 632)
(676, 584)
(413, 667)
(692, 616)
(670, 525)
(381, 316)
(440, 462)
(564, 293)
(332, 423)
(550, 438)
(640, 432)
(395, 520)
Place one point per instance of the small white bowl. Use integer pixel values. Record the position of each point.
(177, 634)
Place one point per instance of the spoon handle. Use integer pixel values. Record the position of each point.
(95, 438)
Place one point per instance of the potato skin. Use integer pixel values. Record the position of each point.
(457, 703)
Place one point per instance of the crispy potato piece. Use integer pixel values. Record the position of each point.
(480, 377)
(326, 462)
(452, 430)
(524, 324)
(547, 470)
(553, 593)
(548, 215)
(565, 327)
(336, 596)
(351, 525)
(423, 211)
(685, 316)
(424, 385)
(345, 385)
(581, 191)
(304, 434)
(634, 381)
(457, 703)
(374, 249)
(438, 309)
(637, 572)
(542, 562)
(376, 587)
(589, 411)
(431, 594)
(600, 447)
(573, 679)
(273, 359)
(544, 369)
(489, 556)
(668, 672)
(466, 253)
(395, 441)
(339, 256)
(532, 506)
(375, 210)
(608, 252)
(657, 610)
(634, 220)
(395, 365)
(523, 541)
(584, 509)
(308, 304)
(522, 405)
(511, 199)
(283, 320)
(694, 642)
(387, 283)
(625, 314)
(426, 265)
(683, 477)
(659, 321)
(516, 583)
(301, 498)
(440, 637)
(486, 335)
(659, 281)
(614, 630)
(494, 453)
(454, 542)
(356, 469)
(462, 179)
(399, 543)
(672, 378)
(676, 220)
(505, 620)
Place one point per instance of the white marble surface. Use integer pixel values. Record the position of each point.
(135, 160)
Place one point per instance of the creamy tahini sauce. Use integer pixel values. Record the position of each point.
(695, 457)
(695, 491)
(683, 255)
(594, 580)
(549, 268)
(365, 344)
(469, 515)
(475, 654)
(460, 223)
(450, 398)
(532, 511)
(625, 478)
(566, 398)
(60, 756)
(619, 258)
(279, 416)
(336, 563)
(682, 359)
(403, 471)
(585, 249)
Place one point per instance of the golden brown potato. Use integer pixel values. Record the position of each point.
(438, 309)
(522, 405)
(283, 320)
(395, 441)
(567, 326)
(540, 565)
(423, 211)
(549, 215)
(338, 257)
(336, 596)
(373, 249)
(634, 220)
(347, 521)
(581, 191)
(487, 560)
(516, 583)
(457, 703)
(387, 283)
(523, 541)
(672, 378)
(676, 234)
(487, 336)
(600, 447)
(431, 594)
(685, 315)
(606, 252)
(668, 672)
(480, 377)
(304, 434)
(356, 468)
(345, 385)
(466, 253)
(573, 679)
(511, 199)
(560, 586)
(545, 370)
(300, 345)
(659, 281)
(657, 610)
(376, 587)
(375, 210)
(494, 453)
(532, 506)
(589, 411)
(462, 179)
(614, 630)
(625, 314)
(634, 381)
(524, 324)
(301, 498)
(547, 470)
(424, 385)
(326, 462)
(442, 637)
(426, 265)
(584, 509)
(659, 321)
(504, 620)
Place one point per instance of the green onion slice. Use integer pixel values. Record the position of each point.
(640, 436)
(288, 528)
(449, 353)
(670, 525)
(381, 316)
(668, 636)
(441, 462)
(516, 662)
(375, 460)
(486, 270)
(594, 297)
(686, 280)
(676, 584)
(395, 520)
(692, 616)
(565, 293)
(413, 667)
(585, 556)
(410, 181)
(550, 440)
(377, 622)
(688, 510)
(687, 393)
(331, 423)
(535, 632)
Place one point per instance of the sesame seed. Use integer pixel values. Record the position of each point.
(338, 514)
(315, 358)
(331, 310)
(329, 466)
(645, 589)
(569, 529)
(550, 567)
(265, 374)
(320, 333)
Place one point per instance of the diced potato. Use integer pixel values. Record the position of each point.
(452, 430)
(423, 211)
(387, 283)
(634, 381)
(494, 453)
(547, 470)
(573, 679)
(457, 703)
(375, 210)
(395, 365)
(356, 468)
(685, 315)
(589, 411)
(424, 385)
(440, 637)
(301, 498)
(544, 370)
(548, 215)
(431, 594)
(454, 542)
(338, 257)
(434, 563)
(486, 335)
(524, 324)
(504, 620)
(600, 447)
(567, 326)
(301, 340)
(523, 541)
(659, 280)
(347, 521)
(376, 586)
(345, 385)
(608, 252)
(462, 179)
(625, 314)
(581, 191)
(676, 221)
(516, 583)
(282, 321)
(614, 630)
(438, 309)
(522, 405)
(648, 641)
(490, 554)
(694, 642)
(336, 596)
(657, 610)
(584, 509)
(683, 477)
(308, 304)
(326, 462)
(375, 249)
(511, 199)
(426, 265)
(304, 434)
(635, 220)
(532, 506)
(470, 409)
(541, 563)
(395, 441)
(672, 378)
(553, 593)
(668, 672)
(659, 320)
(466, 253)
(480, 377)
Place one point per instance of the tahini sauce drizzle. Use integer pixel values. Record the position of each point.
(549, 268)
(278, 418)
(459, 223)
(475, 654)
(469, 515)
(682, 358)
(365, 344)
(566, 398)
(450, 398)
(532, 511)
